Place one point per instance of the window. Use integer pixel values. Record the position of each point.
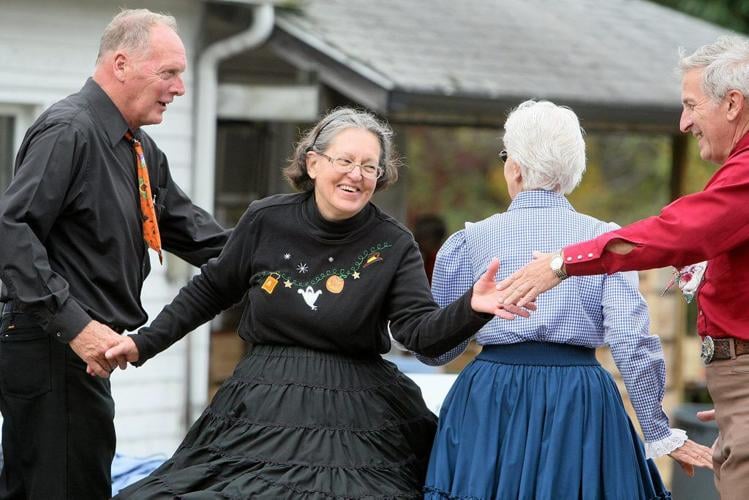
(241, 168)
(7, 149)
(14, 120)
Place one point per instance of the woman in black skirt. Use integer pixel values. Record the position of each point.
(313, 411)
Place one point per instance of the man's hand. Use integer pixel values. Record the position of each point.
(691, 455)
(123, 353)
(91, 344)
(707, 415)
(486, 299)
(528, 282)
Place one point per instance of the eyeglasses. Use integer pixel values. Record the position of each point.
(503, 156)
(345, 166)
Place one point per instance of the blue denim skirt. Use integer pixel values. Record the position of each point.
(538, 421)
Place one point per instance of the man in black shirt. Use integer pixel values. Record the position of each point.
(73, 258)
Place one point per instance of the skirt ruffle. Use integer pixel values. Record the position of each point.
(301, 424)
(538, 422)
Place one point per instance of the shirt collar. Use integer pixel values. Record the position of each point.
(103, 108)
(539, 198)
(740, 146)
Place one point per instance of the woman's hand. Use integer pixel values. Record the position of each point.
(123, 353)
(486, 299)
(692, 454)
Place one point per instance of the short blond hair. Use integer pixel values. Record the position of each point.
(131, 30)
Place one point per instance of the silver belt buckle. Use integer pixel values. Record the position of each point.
(708, 349)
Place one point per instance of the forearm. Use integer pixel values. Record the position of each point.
(637, 353)
(643, 372)
(644, 377)
(196, 303)
(692, 229)
(220, 284)
(433, 333)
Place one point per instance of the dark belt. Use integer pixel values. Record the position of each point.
(6, 309)
(721, 349)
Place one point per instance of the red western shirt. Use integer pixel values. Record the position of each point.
(711, 225)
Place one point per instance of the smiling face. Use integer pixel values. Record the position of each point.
(150, 81)
(340, 196)
(706, 119)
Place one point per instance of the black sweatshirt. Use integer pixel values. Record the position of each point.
(71, 238)
(318, 284)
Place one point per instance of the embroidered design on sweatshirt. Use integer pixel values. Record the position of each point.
(332, 280)
(310, 295)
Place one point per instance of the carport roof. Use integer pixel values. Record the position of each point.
(468, 61)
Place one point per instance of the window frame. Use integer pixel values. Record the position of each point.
(22, 117)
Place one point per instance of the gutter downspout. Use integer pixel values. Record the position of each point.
(204, 173)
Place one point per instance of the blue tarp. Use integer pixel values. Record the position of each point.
(126, 470)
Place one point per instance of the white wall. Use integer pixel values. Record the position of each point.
(47, 50)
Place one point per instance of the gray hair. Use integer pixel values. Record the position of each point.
(725, 63)
(131, 30)
(547, 143)
(319, 137)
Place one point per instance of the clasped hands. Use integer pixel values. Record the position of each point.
(103, 349)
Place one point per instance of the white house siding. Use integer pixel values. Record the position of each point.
(47, 50)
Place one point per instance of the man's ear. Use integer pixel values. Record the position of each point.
(119, 66)
(736, 104)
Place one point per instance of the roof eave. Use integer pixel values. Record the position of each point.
(365, 86)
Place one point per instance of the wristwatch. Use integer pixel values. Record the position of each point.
(557, 266)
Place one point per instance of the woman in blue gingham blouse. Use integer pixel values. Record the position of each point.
(535, 416)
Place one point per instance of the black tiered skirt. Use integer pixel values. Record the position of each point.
(292, 423)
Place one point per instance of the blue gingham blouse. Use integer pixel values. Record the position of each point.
(588, 311)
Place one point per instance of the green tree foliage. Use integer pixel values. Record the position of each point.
(455, 173)
(627, 177)
(731, 14)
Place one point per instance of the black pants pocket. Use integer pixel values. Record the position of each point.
(25, 357)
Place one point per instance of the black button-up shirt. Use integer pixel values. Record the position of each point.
(71, 240)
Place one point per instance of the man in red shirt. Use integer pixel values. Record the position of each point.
(711, 225)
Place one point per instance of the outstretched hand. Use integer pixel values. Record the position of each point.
(486, 299)
(691, 455)
(525, 284)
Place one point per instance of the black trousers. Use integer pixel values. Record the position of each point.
(58, 430)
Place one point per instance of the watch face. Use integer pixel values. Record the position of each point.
(556, 262)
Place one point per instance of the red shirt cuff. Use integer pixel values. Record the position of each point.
(586, 258)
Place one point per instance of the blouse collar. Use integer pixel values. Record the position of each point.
(540, 198)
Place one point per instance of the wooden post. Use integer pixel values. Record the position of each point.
(678, 165)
